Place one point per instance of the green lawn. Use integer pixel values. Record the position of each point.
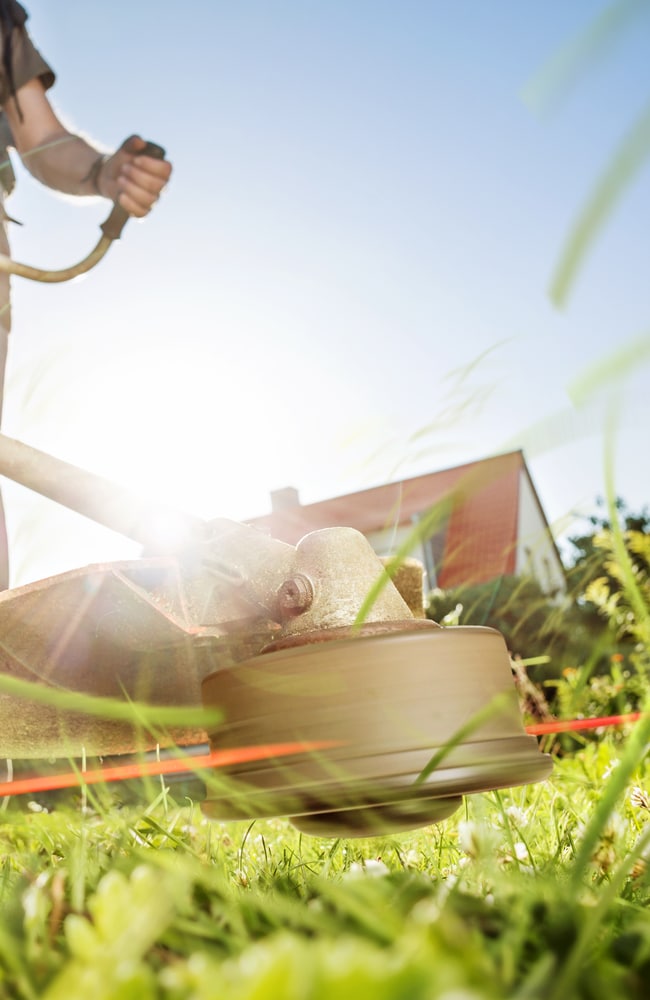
(531, 892)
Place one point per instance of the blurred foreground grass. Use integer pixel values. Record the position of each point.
(531, 892)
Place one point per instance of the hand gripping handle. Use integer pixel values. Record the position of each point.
(116, 221)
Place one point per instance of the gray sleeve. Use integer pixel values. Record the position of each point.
(27, 62)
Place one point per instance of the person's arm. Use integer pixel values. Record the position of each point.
(70, 164)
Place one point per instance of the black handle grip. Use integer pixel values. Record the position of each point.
(154, 150)
(116, 221)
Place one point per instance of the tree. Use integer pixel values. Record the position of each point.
(591, 558)
(610, 574)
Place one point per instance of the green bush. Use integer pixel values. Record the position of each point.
(532, 623)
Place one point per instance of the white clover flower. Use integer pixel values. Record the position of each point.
(241, 876)
(368, 866)
(468, 838)
(31, 903)
(516, 815)
(478, 839)
(640, 798)
(33, 897)
(521, 851)
(375, 866)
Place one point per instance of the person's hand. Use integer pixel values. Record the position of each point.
(131, 180)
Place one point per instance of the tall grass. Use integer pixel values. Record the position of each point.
(530, 892)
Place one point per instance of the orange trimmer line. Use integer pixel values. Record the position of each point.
(241, 755)
(575, 725)
(142, 769)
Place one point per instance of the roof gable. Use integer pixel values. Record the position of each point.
(468, 488)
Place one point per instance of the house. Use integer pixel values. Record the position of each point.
(469, 524)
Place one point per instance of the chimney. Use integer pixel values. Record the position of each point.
(284, 499)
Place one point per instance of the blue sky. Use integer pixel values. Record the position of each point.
(347, 279)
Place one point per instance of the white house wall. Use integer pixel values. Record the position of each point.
(536, 553)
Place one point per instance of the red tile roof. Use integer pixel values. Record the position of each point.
(481, 541)
(481, 500)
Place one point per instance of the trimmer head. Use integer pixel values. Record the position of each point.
(411, 721)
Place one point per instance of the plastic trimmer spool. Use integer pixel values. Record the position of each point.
(411, 720)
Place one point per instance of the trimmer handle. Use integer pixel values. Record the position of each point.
(115, 223)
